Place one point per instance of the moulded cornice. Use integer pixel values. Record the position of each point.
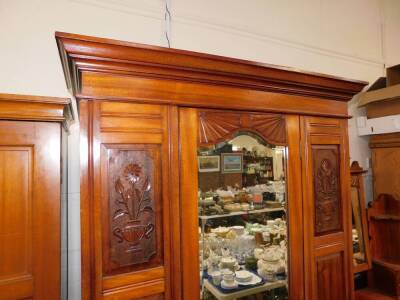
(36, 108)
(90, 54)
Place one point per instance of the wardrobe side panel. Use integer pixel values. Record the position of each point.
(327, 210)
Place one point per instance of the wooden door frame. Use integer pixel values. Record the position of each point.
(188, 141)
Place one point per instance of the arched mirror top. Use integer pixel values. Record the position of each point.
(216, 127)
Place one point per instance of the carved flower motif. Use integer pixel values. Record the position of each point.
(132, 173)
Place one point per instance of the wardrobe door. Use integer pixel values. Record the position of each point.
(29, 210)
(126, 226)
(326, 207)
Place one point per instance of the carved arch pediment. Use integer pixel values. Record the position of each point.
(218, 126)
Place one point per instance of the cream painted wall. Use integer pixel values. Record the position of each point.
(349, 38)
(391, 23)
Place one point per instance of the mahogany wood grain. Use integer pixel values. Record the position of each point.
(328, 253)
(295, 209)
(132, 59)
(175, 208)
(146, 290)
(385, 162)
(30, 216)
(387, 140)
(34, 108)
(30, 195)
(86, 191)
(188, 140)
(163, 91)
(386, 171)
(372, 294)
(138, 94)
(384, 225)
(329, 270)
(127, 200)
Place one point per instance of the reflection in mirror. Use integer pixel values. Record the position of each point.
(359, 219)
(242, 218)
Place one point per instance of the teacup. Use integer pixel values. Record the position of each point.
(229, 278)
(226, 272)
(228, 262)
(216, 277)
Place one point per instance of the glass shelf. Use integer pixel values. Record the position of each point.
(239, 213)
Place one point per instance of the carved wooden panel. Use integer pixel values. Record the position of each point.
(327, 198)
(134, 200)
(217, 126)
(330, 279)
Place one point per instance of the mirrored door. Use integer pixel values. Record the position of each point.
(242, 219)
(238, 187)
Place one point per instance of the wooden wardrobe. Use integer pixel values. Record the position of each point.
(31, 187)
(147, 104)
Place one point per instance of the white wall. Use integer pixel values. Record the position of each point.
(349, 38)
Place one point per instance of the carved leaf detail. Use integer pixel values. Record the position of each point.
(132, 224)
(120, 213)
(326, 189)
(147, 185)
(119, 188)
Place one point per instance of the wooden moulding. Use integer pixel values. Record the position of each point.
(388, 140)
(35, 108)
(115, 70)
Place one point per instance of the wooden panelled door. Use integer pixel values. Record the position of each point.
(327, 211)
(126, 198)
(29, 210)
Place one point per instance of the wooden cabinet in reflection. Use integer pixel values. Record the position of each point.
(153, 107)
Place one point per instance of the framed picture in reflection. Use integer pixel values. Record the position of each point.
(209, 163)
(232, 162)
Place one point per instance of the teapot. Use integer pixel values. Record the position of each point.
(271, 263)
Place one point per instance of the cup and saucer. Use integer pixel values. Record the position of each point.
(228, 280)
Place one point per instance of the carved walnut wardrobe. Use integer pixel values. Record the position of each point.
(145, 110)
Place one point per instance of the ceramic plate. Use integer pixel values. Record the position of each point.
(243, 276)
(254, 280)
(226, 286)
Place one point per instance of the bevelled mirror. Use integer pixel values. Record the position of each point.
(243, 237)
(361, 256)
